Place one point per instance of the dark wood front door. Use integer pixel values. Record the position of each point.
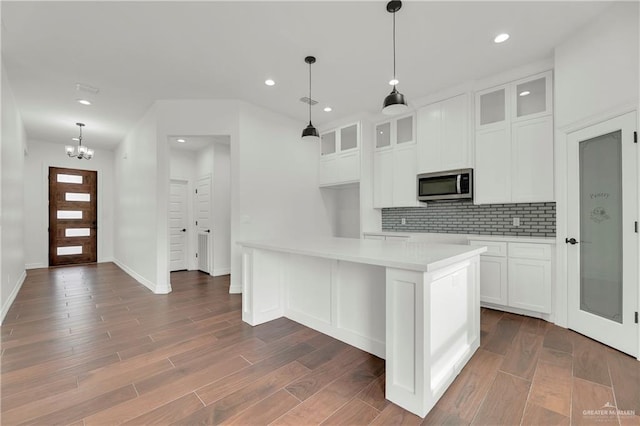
(72, 216)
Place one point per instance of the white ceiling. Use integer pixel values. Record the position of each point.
(196, 143)
(139, 52)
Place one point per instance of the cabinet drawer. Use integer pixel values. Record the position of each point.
(494, 248)
(530, 251)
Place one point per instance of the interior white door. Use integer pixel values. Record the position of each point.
(203, 224)
(178, 225)
(602, 246)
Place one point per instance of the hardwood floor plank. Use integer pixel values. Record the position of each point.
(354, 412)
(265, 350)
(590, 403)
(38, 391)
(535, 415)
(218, 348)
(522, 356)
(589, 360)
(169, 413)
(323, 403)
(469, 389)
(236, 402)
(323, 354)
(394, 415)
(163, 395)
(563, 359)
(502, 336)
(625, 377)
(558, 339)
(215, 391)
(265, 411)
(439, 417)
(374, 394)
(505, 401)
(551, 388)
(325, 374)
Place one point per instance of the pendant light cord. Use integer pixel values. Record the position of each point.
(80, 137)
(309, 93)
(394, 47)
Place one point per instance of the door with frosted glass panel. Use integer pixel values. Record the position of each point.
(72, 216)
(602, 242)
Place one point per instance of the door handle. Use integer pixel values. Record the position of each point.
(571, 241)
(184, 230)
(208, 230)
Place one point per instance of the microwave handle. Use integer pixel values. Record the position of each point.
(458, 179)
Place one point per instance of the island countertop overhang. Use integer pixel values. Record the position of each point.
(415, 256)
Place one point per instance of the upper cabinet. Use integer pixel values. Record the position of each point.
(394, 163)
(443, 135)
(339, 156)
(514, 142)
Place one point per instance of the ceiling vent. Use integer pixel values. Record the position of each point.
(308, 101)
(86, 88)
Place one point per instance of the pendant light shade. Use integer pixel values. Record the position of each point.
(394, 103)
(310, 133)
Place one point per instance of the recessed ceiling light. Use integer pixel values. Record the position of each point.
(525, 93)
(180, 140)
(83, 102)
(393, 82)
(501, 38)
(327, 109)
(269, 82)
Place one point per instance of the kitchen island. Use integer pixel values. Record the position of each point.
(417, 305)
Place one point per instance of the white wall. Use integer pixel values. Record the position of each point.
(136, 204)
(182, 164)
(12, 270)
(221, 209)
(596, 77)
(275, 188)
(40, 157)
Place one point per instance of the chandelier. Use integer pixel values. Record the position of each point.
(80, 151)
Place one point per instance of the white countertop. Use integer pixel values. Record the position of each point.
(415, 256)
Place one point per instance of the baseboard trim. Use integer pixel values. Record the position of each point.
(221, 271)
(35, 266)
(142, 280)
(12, 296)
(235, 290)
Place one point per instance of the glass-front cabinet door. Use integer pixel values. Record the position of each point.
(491, 107)
(328, 143)
(349, 137)
(532, 97)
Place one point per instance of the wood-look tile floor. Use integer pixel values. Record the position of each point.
(87, 345)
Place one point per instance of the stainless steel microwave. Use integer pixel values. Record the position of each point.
(449, 185)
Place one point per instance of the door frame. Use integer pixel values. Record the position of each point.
(561, 293)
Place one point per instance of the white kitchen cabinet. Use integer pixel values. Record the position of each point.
(492, 174)
(514, 142)
(532, 166)
(493, 272)
(394, 164)
(339, 156)
(443, 135)
(516, 275)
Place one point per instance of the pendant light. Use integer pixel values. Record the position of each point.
(310, 133)
(80, 151)
(394, 103)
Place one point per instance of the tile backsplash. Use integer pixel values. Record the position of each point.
(463, 217)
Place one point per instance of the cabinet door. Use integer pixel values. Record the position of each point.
(532, 97)
(404, 176)
(383, 135)
(429, 138)
(492, 107)
(454, 142)
(404, 130)
(328, 143)
(532, 159)
(530, 284)
(492, 173)
(493, 280)
(349, 138)
(328, 173)
(349, 166)
(383, 179)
